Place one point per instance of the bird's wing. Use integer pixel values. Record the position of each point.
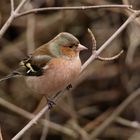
(40, 60)
(42, 55)
(35, 64)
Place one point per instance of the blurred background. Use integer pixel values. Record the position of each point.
(98, 91)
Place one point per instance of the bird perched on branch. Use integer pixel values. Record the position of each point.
(52, 66)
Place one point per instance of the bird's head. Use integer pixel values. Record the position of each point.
(66, 44)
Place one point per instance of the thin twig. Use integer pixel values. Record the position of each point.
(84, 135)
(1, 138)
(96, 54)
(11, 18)
(6, 25)
(94, 44)
(93, 124)
(72, 8)
(110, 58)
(30, 31)
(16, 14)
(133, 45)
(45, 128)
(37, 117)
(30, 116)
(131, 124)
(115, 114)
(32, 122)
(12, 6)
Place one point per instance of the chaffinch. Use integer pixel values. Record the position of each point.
(52, 66)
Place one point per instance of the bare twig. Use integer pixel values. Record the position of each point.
(15, 109)
(6, 25)
(132, 124)
(45, 128)
(30, 31)
(16, 13)
(133, 45)
(30, 116)
(93, 124)
(96, 53)
(12, 6)
(37, 117)
(12, 17)
(72, 8)
(84, 135)
(32, 122)
(8, 77)
(94, 44)
(115, 114)
(110, 58)
(1, 138)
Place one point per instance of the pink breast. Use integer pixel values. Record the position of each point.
(61, 72)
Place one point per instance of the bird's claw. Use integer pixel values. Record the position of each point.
(69, 87)
(51, 103)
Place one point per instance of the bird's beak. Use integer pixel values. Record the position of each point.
(81, 47)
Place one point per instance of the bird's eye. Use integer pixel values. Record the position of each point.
(71, 46)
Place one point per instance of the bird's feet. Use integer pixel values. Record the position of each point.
(69, 87)
(51, 103)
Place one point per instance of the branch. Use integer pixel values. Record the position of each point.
(96, 53)
(110, 58)
(131, 124)
(32, 122)
(84, 135)
(30, 116)
(1, 138)
(94, 44)
(38, 116)
(30, 31)
(12, 16)
(45, 128)
(115, 114)
(72, 8)
(15, 13)
(12, 6)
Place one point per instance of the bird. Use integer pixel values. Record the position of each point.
(53, 66)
